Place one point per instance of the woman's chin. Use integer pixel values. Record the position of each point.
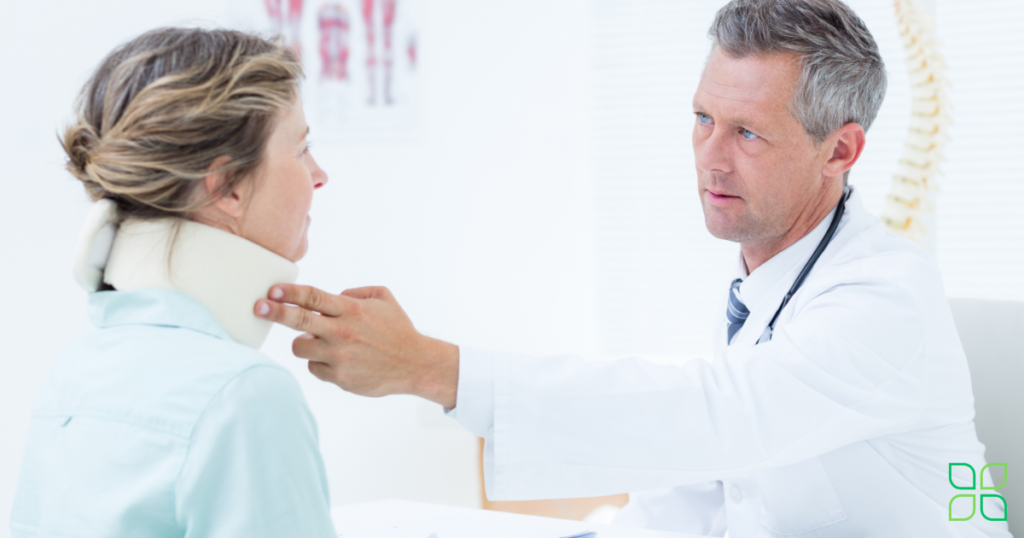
(300, 252)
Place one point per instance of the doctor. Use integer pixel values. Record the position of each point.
(839, 392)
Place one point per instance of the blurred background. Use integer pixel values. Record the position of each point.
(524, 182)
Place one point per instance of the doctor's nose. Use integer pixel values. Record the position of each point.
(710, 152)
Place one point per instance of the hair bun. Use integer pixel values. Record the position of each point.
(80, 141)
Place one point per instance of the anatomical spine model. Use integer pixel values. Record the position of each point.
(909, 210)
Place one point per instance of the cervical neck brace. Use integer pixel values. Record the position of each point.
(224, 272)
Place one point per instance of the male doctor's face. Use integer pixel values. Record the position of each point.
(758, 170)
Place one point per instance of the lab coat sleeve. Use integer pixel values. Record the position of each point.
(698, 508)
(253, 466)
(848, 365)
(474, 399)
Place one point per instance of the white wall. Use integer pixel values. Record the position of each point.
(481, 223)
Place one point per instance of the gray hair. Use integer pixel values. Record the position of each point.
(843, 76)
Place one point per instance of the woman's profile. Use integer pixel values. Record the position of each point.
(162, 418)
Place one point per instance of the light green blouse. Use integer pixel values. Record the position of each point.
(156, 423)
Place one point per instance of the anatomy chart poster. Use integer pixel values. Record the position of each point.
(359, 56)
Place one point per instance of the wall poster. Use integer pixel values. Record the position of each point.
(360, 59)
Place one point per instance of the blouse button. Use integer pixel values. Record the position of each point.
(735, 494)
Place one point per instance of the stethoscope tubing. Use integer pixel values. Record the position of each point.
(822, 245)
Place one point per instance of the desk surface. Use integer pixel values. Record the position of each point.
(408, 519)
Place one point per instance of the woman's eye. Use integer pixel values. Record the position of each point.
(748, 135)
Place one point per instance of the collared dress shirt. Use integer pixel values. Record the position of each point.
(843, 424)
(154, 422)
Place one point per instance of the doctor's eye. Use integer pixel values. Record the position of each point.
(748, 135)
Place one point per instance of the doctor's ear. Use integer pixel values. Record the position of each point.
(227, 200)
(846, 145)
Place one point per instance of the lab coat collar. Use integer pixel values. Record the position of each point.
(223, 272)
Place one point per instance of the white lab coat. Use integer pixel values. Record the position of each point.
(842, 425)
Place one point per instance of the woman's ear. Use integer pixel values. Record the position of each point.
(225, 210)
(230, 203)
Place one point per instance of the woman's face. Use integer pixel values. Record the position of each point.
(277, 214)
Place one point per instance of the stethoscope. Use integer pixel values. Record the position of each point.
(840, 208)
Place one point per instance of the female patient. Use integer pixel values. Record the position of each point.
(163, 419)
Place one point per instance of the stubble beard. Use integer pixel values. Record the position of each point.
(739, 227)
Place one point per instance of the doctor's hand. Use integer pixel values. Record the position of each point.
(362, 341)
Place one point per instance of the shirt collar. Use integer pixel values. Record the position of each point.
(767, 275)
(221, 271)
(153, 306)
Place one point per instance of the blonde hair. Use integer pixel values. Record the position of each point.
(162, 108)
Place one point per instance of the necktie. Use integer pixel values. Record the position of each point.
(736, 313)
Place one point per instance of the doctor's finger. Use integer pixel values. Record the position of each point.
(295, 317)
(309, 298)
(321, 371)
(369, 292)
(307, 346)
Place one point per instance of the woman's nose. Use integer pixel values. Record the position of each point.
(319, 179)
(317, 173)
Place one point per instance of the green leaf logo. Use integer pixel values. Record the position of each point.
(993, 495)
(983, 486)
(973, 476)
(973, 507)
(993, 504)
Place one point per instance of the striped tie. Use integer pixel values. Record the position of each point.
(736, 313)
